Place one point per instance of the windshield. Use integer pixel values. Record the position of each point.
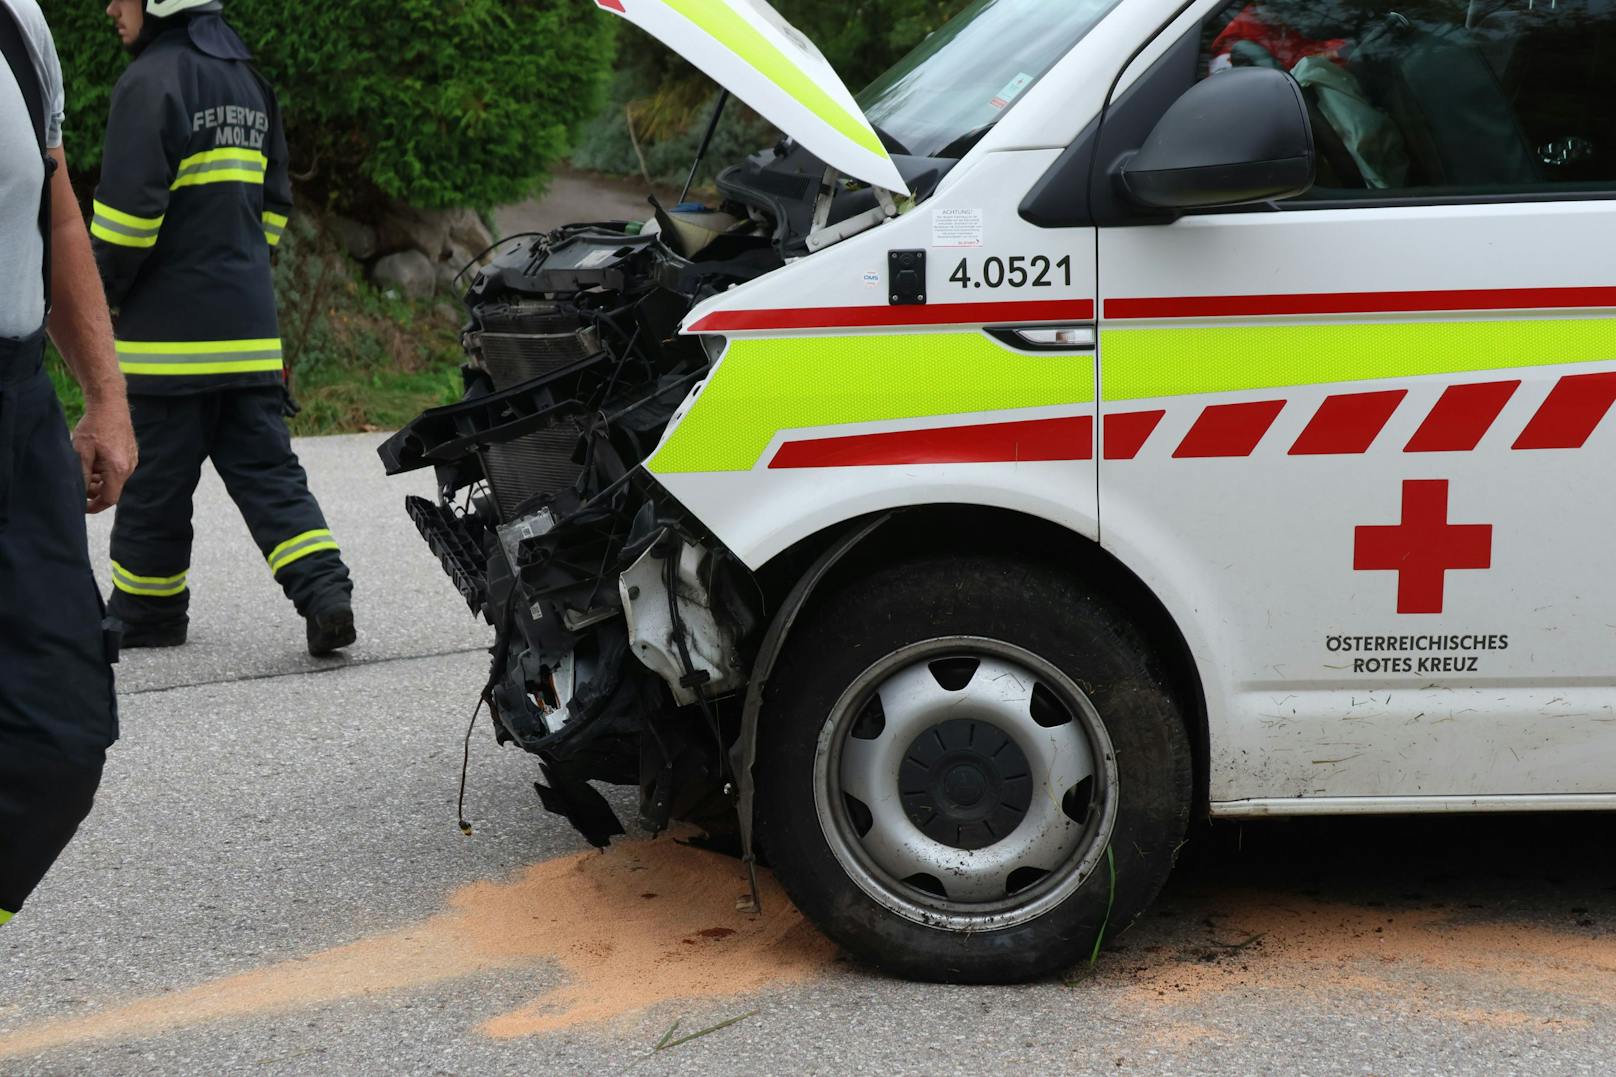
(960, 80)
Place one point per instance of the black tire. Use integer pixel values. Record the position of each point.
(1028, 606)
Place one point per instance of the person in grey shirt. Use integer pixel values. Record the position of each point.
(57, 712)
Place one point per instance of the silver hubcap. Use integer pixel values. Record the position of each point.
(965, 783)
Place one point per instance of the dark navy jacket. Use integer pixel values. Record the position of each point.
(194, 192)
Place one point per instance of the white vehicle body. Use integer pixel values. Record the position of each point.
(1117, 413)
(1359, 453)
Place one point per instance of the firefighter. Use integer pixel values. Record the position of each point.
(194, 194)
(57, 712)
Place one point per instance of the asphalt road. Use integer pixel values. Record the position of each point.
(273, 882)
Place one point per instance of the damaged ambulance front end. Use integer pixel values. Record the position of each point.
(624, 631)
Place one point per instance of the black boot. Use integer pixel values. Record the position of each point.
(330, 629)
(152, 634)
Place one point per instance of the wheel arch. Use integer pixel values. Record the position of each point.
(931, 530)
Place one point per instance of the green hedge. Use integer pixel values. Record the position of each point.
(435, 103)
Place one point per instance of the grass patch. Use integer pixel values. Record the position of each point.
(361, 360)
(67, 389)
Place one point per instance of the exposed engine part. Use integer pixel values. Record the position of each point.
(574, 369)
(623, 632)
(457, 542)
(512, 535)
(675, 633)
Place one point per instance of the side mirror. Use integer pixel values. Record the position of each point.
(1239, 136)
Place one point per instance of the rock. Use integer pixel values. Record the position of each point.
(409, 273)
(358, 239)
(461, 258)
(405, 229)
(466, 230)
(447, 285)
(435, 233)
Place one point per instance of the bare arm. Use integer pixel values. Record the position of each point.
(82, 331)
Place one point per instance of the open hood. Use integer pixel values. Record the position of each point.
(746, 47)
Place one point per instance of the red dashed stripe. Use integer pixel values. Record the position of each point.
(1345, 424)
(1229, 429)
(1127, 433)
(611, 5)
(988, 443)
(1348, 424)
(1567, 418)
(1462, 417)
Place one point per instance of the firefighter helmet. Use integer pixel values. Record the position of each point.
(162, 9)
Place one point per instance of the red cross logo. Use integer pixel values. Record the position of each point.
(1424, 547)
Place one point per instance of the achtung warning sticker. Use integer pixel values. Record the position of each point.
(956, 228)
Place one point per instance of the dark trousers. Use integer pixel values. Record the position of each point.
(244, 433)
(57, 711)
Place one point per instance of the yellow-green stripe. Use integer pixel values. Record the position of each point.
(195, 347)
(4, 916)
(764, 386)
(300, 546)
(103, 210)
(112, 235)
(232, 164)
(199, 357)
(123, 229)
(226, 366)
(149, 586)
(1184, 361)
(745, 40)
(274, 227)
(232, 175)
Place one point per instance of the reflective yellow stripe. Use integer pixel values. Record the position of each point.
(300, 546)
(118, 216)
(746, 41)
(196, 179)
(199, 357)
(195, 347)
(155, 580)
(4, 916)
(763, 386)
(224, 153)
(232, 164)
(1180, 361)
(234, 366)
(150, 586)
(123, 229)
(102, 232)
(274, 226)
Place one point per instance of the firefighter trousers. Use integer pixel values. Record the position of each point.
(244, 433)
(57, 712)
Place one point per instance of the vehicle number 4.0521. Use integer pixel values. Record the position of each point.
(1016, 271)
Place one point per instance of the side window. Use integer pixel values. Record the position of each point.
(1441, 96)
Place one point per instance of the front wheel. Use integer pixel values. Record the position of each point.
(970, 770)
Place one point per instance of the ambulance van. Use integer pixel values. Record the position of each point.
(1119, 413)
